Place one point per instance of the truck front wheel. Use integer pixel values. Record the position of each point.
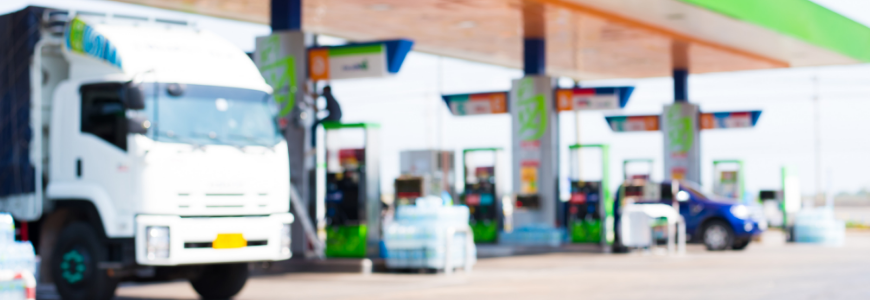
(220, 281)
(74, 262)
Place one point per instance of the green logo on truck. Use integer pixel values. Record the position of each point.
(83, 39)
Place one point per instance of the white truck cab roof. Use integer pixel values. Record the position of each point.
(144, 49)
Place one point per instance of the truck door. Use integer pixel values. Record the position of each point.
(103, 158)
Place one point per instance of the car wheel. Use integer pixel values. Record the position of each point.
(718, 236)
(740, 244)
(220, 281)
(74, 265)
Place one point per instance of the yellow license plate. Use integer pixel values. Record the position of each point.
(229, 241)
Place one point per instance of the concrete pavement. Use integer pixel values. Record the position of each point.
(767, 270)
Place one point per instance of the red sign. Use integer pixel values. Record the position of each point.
(472, 199)
(578, 198)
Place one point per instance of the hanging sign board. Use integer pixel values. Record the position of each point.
(733, 119)
(376, 59)
(633, 123)
(347, 62)
(717, 120)
(477, 104)
(600, 98)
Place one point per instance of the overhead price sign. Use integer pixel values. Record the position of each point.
(375, 59)
(633, 123)
(600, 98)
(477, 104)
(733, 119)
(716, 120)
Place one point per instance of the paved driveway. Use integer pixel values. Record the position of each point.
(763, 271)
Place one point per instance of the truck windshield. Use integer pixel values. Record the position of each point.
(210, 115)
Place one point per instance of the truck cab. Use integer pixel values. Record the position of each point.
(719, 223)
(157, 154)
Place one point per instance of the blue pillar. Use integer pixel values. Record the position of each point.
(534, 56)
(680, 66)
(286, 15)
(681, 85)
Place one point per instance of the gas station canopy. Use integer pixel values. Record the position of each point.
(585, 39)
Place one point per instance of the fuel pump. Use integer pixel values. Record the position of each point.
(350, 188)
(637, 169)
(639, 191)
(424, 173)
(481, 193)
(408, 188)
(728, 178)
(771, 202)
(589, 210)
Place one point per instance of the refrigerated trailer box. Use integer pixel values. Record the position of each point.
(138, 147)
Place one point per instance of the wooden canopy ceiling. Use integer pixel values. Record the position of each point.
(585, 39)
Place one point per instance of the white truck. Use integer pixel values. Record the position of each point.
(138, 147)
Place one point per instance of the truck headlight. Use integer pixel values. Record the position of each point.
(157, 242)
(740, 211)
(285, 239)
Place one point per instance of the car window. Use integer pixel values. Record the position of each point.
(695, 194)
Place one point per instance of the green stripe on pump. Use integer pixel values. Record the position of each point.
(331, 125)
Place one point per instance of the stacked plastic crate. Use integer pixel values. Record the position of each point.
(17, 263)
(418, 236)
(818, 225)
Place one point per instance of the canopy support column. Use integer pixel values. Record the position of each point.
(679, 121)
(534, 56)
(286, 15)
(534, 128)
(275, 54)
(534, 39)
(680, 67)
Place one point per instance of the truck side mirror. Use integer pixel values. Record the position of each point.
(138, 124)
(134, 96)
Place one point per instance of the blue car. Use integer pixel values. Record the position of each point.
(719, 223)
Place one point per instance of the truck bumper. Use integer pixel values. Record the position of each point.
(191, 238)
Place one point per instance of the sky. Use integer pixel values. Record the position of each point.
(413, 116)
